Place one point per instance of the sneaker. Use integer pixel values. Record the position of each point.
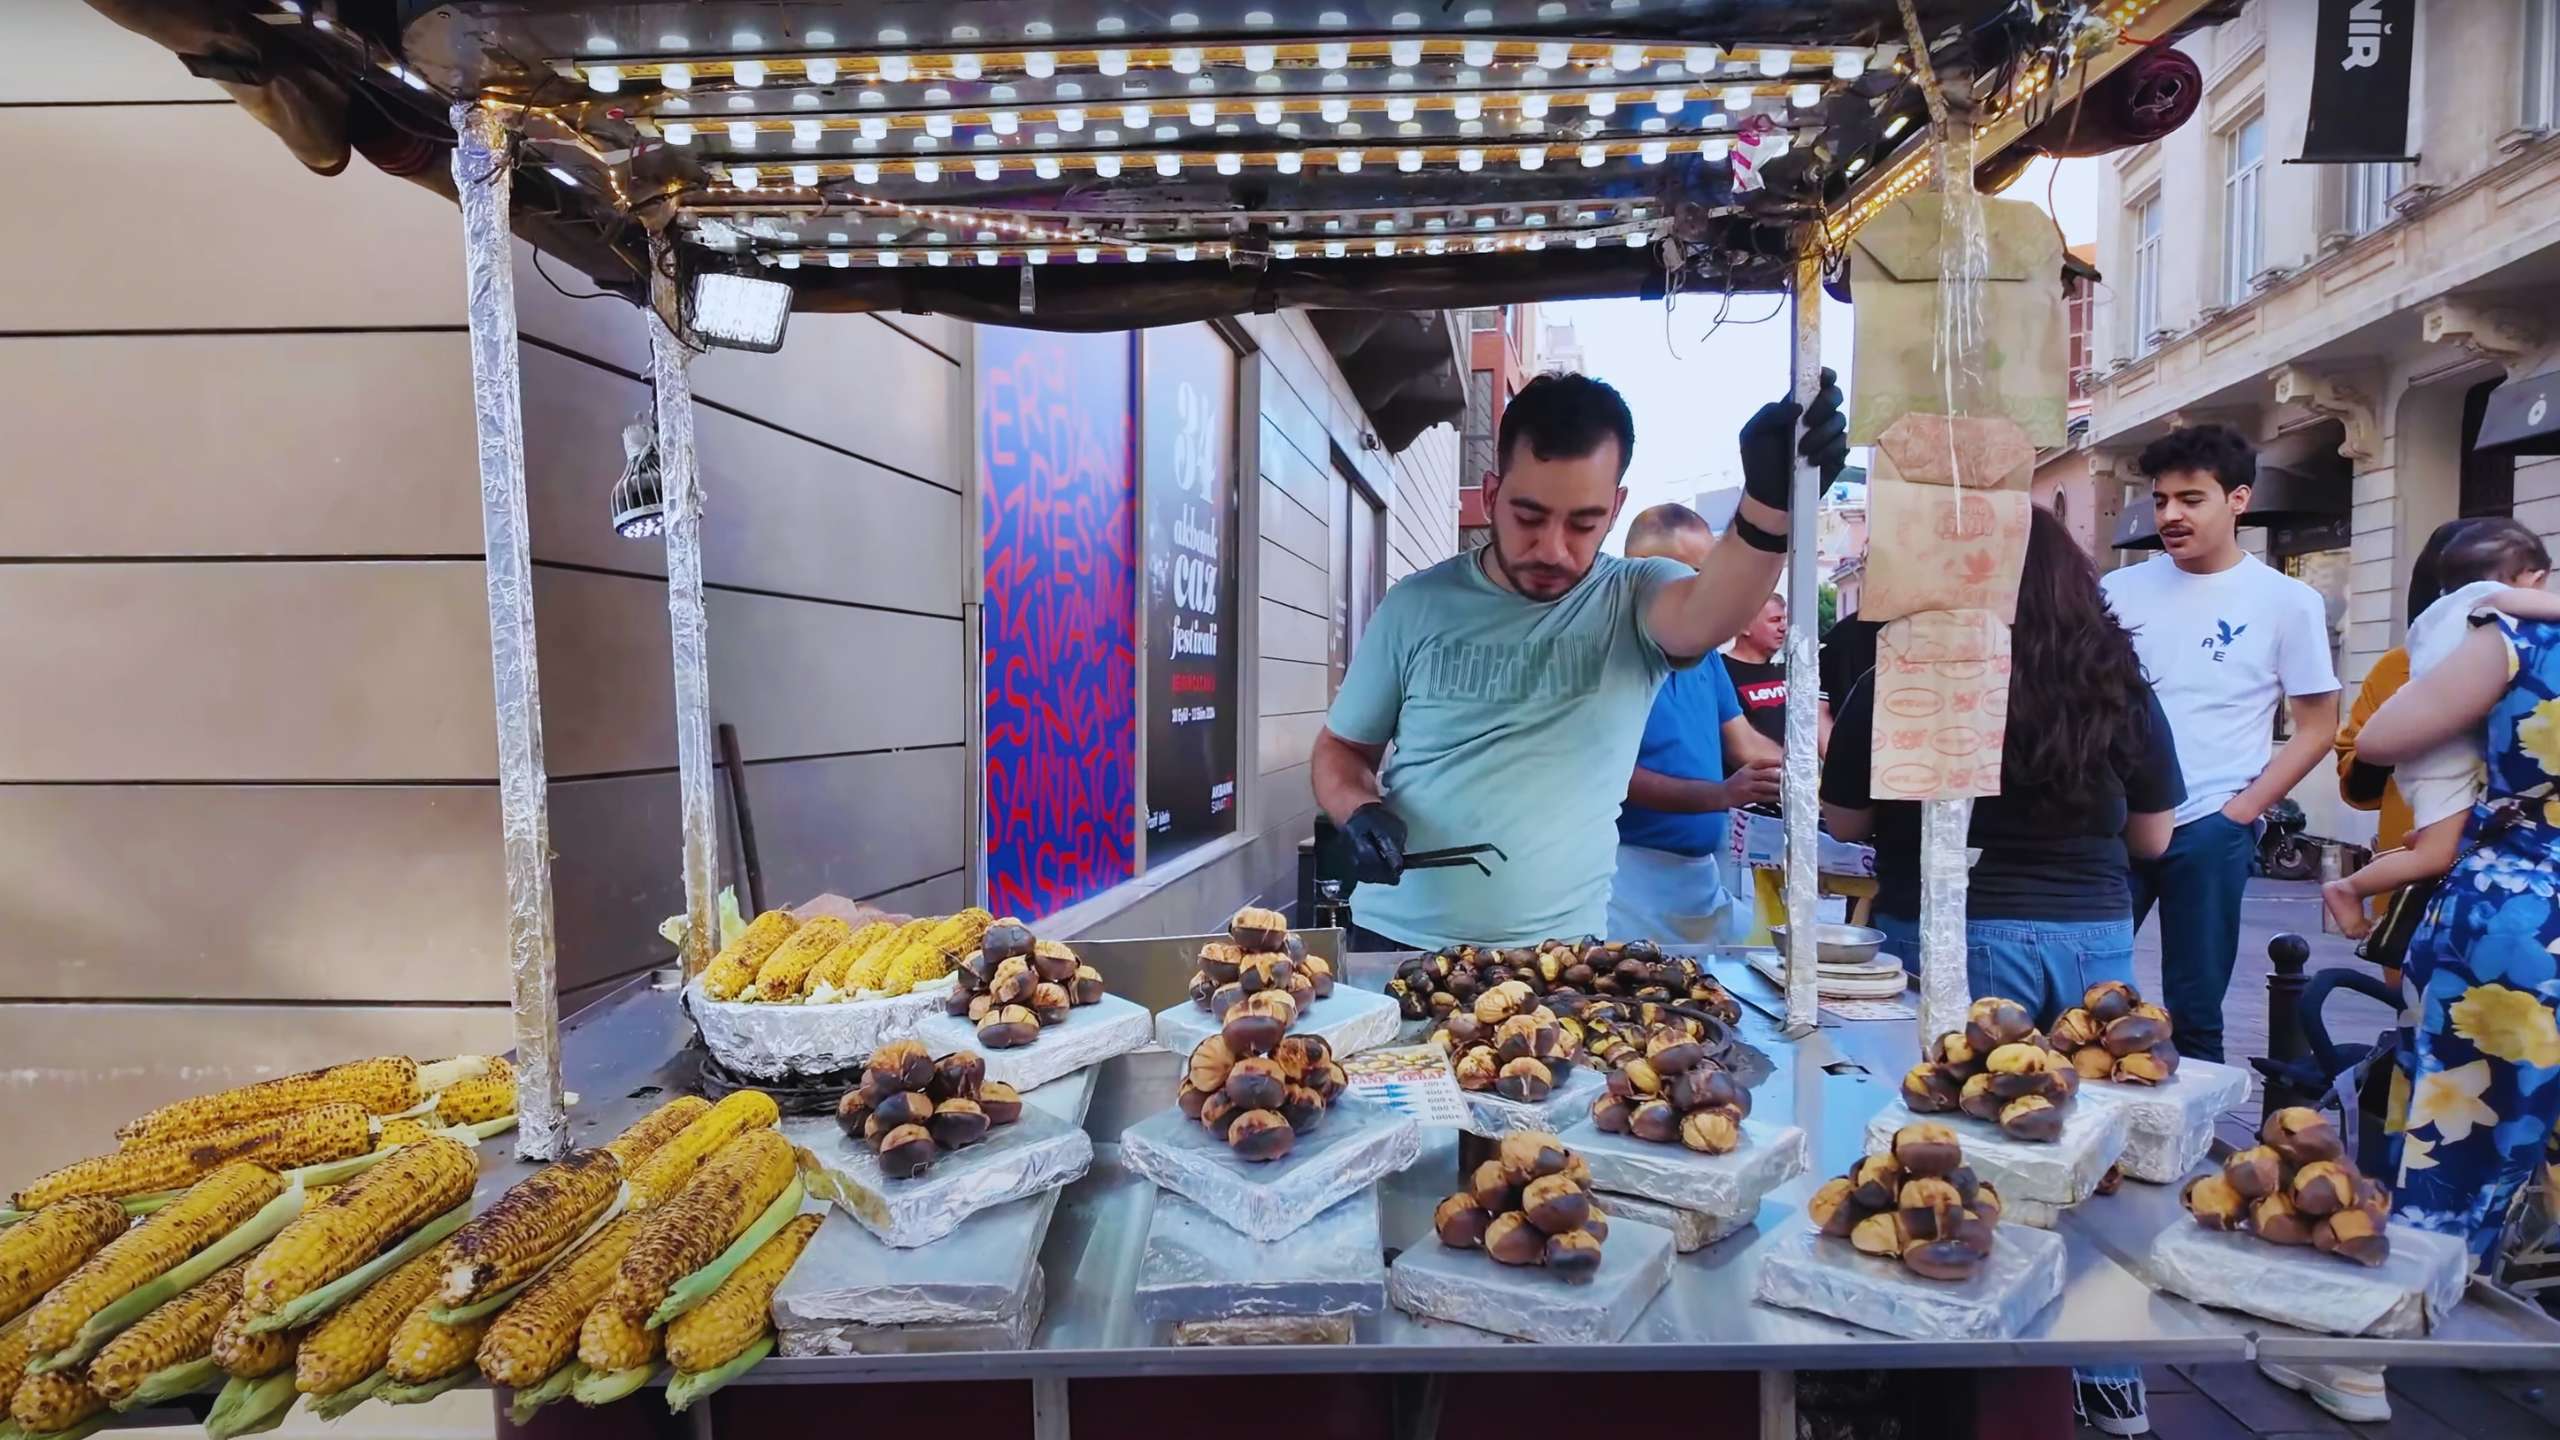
(2352, 1393)
(2115, 1407)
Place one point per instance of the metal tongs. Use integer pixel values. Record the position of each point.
(1338, 868)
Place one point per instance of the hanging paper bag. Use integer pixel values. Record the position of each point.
(1941, 706)
(1937, 548)
(2009, 358)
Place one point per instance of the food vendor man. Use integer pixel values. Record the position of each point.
(1499, 696)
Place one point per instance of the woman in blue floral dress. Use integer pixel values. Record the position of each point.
(2479, 1047)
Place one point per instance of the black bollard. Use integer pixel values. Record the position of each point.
(2290, 957)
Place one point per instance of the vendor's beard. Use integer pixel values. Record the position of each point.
(1536, 582)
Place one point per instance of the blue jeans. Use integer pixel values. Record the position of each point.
(2198, 882)
(1901, 938)
(2046, 965)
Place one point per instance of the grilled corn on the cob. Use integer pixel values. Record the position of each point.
(734, 968)
(384, 1086)
(210, 1209)
(304, 1137)
(469, 1102)
(655, 1129)
(351, 1343)
(406, 1188)
(831, 970)
(666, 1171)
(14, 1353)
(920, 963)
(959, 934)
(617, 1339)
(37, 1252)
(174, 1334)
(714, 1332)
(58, 1401)
(538, 1330)
(722, 1199)
(422, 1350)
(405, 1131)
(871, 968)
(244, 1356)
(504, 1244)
(779, 977)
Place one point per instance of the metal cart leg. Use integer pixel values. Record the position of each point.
(1778, 1404)
(1800, 785)
(680, 481)
(483, 173)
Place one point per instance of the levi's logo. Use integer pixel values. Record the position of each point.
(2364, 35)
(1758, 693)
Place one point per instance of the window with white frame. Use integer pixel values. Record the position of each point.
(2244, 218)
(2540, 91)
(2145, 297)
(2364, 194)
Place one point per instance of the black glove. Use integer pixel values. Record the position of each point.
(1769, 451)
(1377, 838)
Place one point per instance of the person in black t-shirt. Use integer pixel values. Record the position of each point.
(1757, 662)
(1848, 653)
(2088, 774)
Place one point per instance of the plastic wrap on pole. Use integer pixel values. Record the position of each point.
(1800, 787)
(680, 481)
(1944, 991)
(485, 182)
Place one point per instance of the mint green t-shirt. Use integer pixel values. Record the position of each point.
(1514, 721)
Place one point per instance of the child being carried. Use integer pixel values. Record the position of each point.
(2495, 565)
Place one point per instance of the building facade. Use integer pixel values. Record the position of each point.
(2352, 319)
(1502, 355)
(248, 785)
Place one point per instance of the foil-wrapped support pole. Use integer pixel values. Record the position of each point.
(1945, 993)
(484, 177)
(680, 482)
(1800, 786)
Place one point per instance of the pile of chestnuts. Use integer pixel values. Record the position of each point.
(2296, 1186)
(1999, 1069)
(911, 1107)
(1256, 1086)
(1438, 985)
(1013, 985)
(1507, 1042)
(2112, 1035)
(1529, 1205)
(1920, 1204)
(1672, 1091)
(1260, 953)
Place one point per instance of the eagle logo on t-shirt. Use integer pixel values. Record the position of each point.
(2224, 632)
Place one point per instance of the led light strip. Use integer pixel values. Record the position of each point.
(1128, 229)
(1093, 251)
(1343, 158)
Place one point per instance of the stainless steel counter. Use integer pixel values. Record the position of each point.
(627, 1053)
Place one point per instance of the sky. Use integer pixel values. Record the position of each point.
(1692, 382)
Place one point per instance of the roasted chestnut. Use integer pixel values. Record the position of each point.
(2109, 1001)
(957, 999)
(1943, 1259)
(1299, 1055)
(1221, 962)
(1574, 1256)
(1004, 940)
(1302, 1108)
(1327, 1080)
(1317, 971)
(1086, 987)
(1831, 1209)
(2214, 1203)
(1250, 1033)
(1260, 1135)
(1512, 1240)
(899, 1065)
(1460, 1222)
(906, 1152)
(1257, 929)
(957, 1124)
(1053, 962)
(2018, 1070)
(1929, 1194)
(851, 1111)
(1293, 946)
(2075, 1030)
(1672, 1052)
(1954, 1049)
(2354, 1234)
(1711, 1132)
(1926, 1149)
(1008, 1027)
(2031, 1117)
(1985, 1201)
(1257, 1084)
(905, 1107)
(1217, 1112)
(1496, 1005)
(1050, 1003)
(1264, 972)
(1224, 1000)
(1526, 1155)
(2254, 1172)
(1994, 1021)
(1001, 1103)
(1491, 1188)
(1878, 1181)
(2133, 1032)
(1555, 1204)
(1977, 1100)
(1210, 1061)
(1188, 1100)
(2278, 1221)
(1928, 1089)
(1477, 1070)
(2092, 1062)
(1656, 1120)
(1278, 1004)
(957, 1076)
(2303, 1136)
(1878, 1234)
(2323, 1187)
(1641, 1078)
(1014, 982)
(1524, 1080)
(1611, 1115)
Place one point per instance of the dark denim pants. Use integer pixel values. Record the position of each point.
(2197, 883)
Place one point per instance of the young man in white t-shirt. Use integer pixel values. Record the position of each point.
(2224, 637)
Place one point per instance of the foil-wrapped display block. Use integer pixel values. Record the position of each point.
(2169, 1127)
(2403, 1297)
(1349, 1020)
(1011, 1330)
(1490, 1115)
(772, 1042)
(1092, 1034)
(2064, 1172)
(979, 1273)
(1691, 1230)
(1038, 1152)
(1724, 1186)
(1195, 1268)
(1531, 1302)
(1353, 1148)
(1828, 1276)
(1270, 1330)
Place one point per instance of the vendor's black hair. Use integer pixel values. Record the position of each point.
(2491, 547)
(1562, 416)
(2216, 450)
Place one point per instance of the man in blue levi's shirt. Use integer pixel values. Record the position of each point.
(1699, 758)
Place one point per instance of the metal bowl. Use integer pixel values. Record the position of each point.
(1837, 944)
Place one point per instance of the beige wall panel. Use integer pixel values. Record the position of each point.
(1294, 687)
(611, 330)
(797, 678)
(58, 50)
(1289, 634)
(850, 382)
(936, 332)
(1288, 740)
(857, 826)
(248, 671)
(75, 1072)
(1293, 581)
(784, 514)
(1292, 526)
(259, 444)
(1308, 481)
(258, 892)
(208, 261)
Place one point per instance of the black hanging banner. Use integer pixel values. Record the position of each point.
(2360, 62)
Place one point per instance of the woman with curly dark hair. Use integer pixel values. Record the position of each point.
(2088, 774)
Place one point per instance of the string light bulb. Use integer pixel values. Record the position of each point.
(1470, 160)
(820, 71)
(1601, 105)
(805, 176)
(1347, 161)
(1533, 157)
(1046, 167)
(1260, 58)
(677, 133)
(928, 171)
(1737, 97)
(1107, 166)
(1555, 54)
(1039, 64)
(604, 79)
(1805, 96)
(1478, 53)
(1594, 155)
(742, 134)
(745, 177)
(1168, 163)
(676, 77)
(749, 73)
(1775, 61)
(1626, 57)
(1288, 162)
(1408, 161)
(1230, 163)
(1848, 64)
